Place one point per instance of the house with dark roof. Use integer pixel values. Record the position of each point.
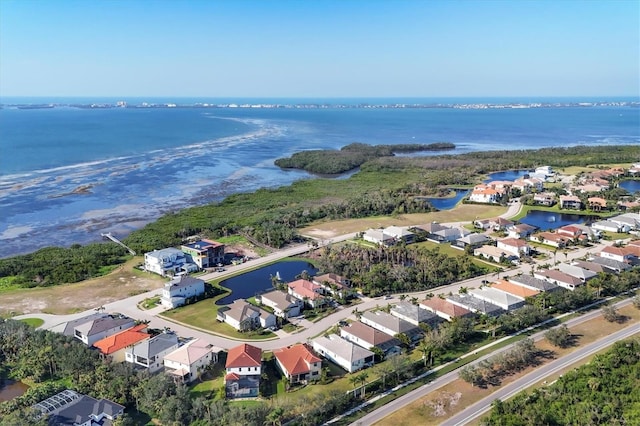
(204, 253)
(70, 408)
(298, 363)
(611, 264)
(368, 337)
(533, 283)
(413, 314)
(347, 355)
(243, 371)
(99, 328)
(68, 328)
(188, 361)
(149, 353)
(472, 240)
(114, 346)
(475, 305)
(445, 309)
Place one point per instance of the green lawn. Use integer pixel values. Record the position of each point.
(33, 322)
(202, 315)
(150, 302)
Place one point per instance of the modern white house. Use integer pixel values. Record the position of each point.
(283, 304)
(188, 361)
(514, 246)
(368, 337)
(243, 316)
(347, 355)
(149, 354)
(500, 298)
(243, 371)
(176, 291)
(168, 261)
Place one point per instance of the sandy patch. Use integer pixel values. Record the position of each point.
(15, 231)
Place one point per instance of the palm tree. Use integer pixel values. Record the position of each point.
(362, 378)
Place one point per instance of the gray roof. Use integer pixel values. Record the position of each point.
(592, 266)
(182, 282)
(395, 324)
(577, 271)
(414, 312)
(500, 298)
(610, 263)
(103, 324)
(561, 277)
(72, 408)
(281, 299)
(342, 348)
(70, 326)
(152, 347)
(537, 283)
(474, 238)
(474, 304)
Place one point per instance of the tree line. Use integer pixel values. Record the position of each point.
(604, 391)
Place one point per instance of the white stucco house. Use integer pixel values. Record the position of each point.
(347, 355)
(189, 360)
(168, 262)
(176, 291)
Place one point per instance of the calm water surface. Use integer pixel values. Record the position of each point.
(551, 220)
(251, 283)
(630, 185)
(449, 202)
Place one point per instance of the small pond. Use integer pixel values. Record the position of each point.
(249, 284)
(552, 220)
(507, 175)
(447, 203)
(10, 389)
(630, 185)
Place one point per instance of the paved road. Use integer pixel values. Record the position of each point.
(506, 392)
(423, 391)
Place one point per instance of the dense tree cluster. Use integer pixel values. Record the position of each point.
(398, 268)
(56, 265)
(330, 161)
(602, 392)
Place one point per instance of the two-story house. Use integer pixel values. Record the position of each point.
(114, 346)
(307, 291)
(298, 363)
(91, 331)
(243, 316)
(188, 361)
(176, 291)
(168, 261)
(243, 371)
(149, 354)
(347, 355)
(335, 284)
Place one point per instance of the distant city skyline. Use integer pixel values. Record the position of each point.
(319, 49)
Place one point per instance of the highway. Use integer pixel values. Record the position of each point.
(382, 412)
(507, 391)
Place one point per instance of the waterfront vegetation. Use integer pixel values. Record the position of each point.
(383, 186)
(331, 161)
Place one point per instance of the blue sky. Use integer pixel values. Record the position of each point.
(342, 48)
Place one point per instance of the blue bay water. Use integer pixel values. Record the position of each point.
(68, 174)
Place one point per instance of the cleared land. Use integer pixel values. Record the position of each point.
(459, 394)
(125, 281)
(462, 213)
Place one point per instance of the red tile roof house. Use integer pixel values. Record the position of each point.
(307, 291)
(298, 363)
(244, 367)
(621, 254)
(571, 231)
(445, 309)
(115, 346)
